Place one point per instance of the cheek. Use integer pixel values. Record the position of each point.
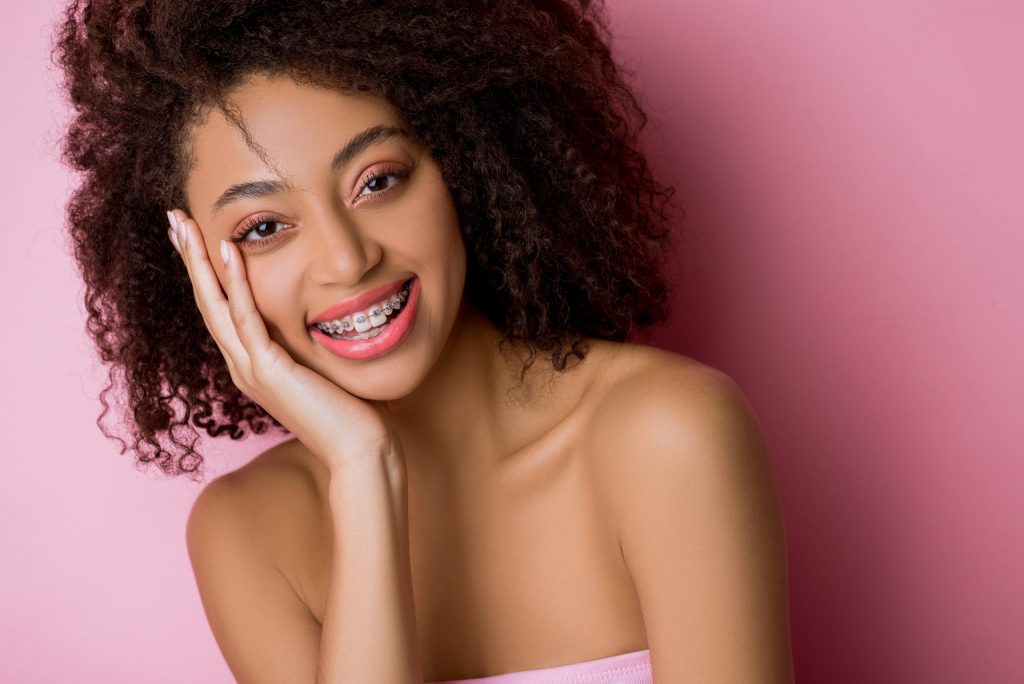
(456, 264)
(451, 250)
(275, 295)
(455, 251)
(445, 233)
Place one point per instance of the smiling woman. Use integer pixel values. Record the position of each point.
(414, 236)
(336, 207)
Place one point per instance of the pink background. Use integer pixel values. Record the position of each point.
(853, 175)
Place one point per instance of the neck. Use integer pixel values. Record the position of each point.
(471, 407)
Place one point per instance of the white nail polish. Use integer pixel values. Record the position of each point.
(224, 253)
(171, 233)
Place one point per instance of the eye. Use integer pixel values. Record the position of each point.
(255, 227)
(380, 181)
(376, 184)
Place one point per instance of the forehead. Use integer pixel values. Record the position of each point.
(293, 130)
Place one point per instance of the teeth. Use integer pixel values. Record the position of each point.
(377, 316)
(368, 335)
(366, 321)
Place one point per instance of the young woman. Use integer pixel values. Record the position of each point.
(416, 236)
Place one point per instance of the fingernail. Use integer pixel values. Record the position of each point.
(171, 220)
(224, 253)
(174, 239)
(182, 232)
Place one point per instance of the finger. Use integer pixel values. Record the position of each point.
(207, 291)
(249, 325)
(172, 234)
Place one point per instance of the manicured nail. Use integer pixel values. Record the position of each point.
(171, 220)
(174, 239)
(224, 253)
(182, 232)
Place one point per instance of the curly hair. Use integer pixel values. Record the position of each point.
(520, 102)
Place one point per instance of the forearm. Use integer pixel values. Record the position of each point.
(369, 627)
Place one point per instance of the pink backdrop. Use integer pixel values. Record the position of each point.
(852, 173)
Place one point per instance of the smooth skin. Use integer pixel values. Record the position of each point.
(626, 504)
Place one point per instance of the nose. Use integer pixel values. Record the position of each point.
(340, 252)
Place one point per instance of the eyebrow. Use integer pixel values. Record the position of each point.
(263, 188)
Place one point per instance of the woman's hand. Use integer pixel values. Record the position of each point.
(337, 426)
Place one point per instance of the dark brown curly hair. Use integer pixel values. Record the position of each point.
(519, 101)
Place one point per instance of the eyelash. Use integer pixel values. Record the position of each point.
(383, 172)
(256, 221)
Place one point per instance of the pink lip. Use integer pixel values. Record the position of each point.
(397, 330)
(360, 303)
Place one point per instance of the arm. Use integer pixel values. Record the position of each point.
(700, 526)
(264, 630)
(369, 630)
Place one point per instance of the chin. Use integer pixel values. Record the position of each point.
(389, 385)
(387, 378)
(393, 375)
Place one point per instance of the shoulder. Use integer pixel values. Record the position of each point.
(655, 397)
(263, 500)
(684, 474)
(238, 537)
(661, 417)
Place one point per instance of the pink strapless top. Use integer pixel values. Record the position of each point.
(625, 668)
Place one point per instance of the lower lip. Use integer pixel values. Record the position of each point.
(397, 330)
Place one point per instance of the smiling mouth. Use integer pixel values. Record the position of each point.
(366, 324)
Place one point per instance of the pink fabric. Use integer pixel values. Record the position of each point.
(625, 668)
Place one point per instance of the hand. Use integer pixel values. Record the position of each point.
(336, 426)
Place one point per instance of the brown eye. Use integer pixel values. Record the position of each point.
(382, 180)
(257, 232)
(377, 183)
(259, 229)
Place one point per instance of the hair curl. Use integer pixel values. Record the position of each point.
(519, 101)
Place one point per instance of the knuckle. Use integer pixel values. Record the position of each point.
(260, 373)
(239, 318)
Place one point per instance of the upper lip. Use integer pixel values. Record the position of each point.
(359, 302)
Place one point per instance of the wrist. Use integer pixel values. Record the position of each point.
(346, 471)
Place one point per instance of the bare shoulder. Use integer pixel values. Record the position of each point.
(658, 412)
(685, 477)
(268, 497)
(237, 535)
(274, 504)
(652, 393)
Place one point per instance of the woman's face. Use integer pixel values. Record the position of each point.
(341, 203)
